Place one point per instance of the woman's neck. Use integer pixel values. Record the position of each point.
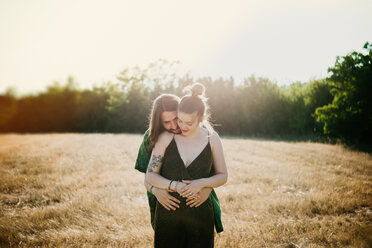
(195, 134)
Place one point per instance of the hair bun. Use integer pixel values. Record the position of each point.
(196, 89)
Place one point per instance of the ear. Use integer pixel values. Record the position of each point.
(202, 118)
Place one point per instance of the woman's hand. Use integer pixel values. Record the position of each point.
(181, 186)
(192, 189)
(196, 202)
(165, 199)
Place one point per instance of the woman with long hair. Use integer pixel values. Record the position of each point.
(185, 164)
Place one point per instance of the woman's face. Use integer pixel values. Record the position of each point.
(188, 123)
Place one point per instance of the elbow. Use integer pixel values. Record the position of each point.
(225, 178)
(222, 178)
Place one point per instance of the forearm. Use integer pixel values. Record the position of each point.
(214, 181)
(158, 181)
(147, 185)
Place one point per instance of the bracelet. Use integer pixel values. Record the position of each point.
(170, 185)
(151, 188)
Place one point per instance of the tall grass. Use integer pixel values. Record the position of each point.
(80, 190)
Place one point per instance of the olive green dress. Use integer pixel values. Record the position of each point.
(186, 226)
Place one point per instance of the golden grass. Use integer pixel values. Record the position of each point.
(81, 190)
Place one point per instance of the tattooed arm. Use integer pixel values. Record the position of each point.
(155, 163)
(153, 170)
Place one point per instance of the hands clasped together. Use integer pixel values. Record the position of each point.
(193, 191)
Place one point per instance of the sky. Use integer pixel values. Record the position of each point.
(43, 41)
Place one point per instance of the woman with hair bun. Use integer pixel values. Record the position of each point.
(185, 164)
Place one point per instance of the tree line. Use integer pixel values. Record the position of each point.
(335, 108)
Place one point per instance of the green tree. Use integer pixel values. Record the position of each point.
(92, 114)
(8, 108)
(303, 99)
(51, 111)
(317, 94)
(349, 116)
(261, 108)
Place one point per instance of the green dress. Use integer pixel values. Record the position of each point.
(185, 226)
(142, 162)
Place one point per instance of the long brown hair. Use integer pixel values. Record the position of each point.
(163, 103)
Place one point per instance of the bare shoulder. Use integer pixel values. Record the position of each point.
(215, 140)
(165, 138)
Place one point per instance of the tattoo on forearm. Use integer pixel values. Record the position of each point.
(155, 163)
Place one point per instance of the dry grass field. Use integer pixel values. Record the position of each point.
(81, 190)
